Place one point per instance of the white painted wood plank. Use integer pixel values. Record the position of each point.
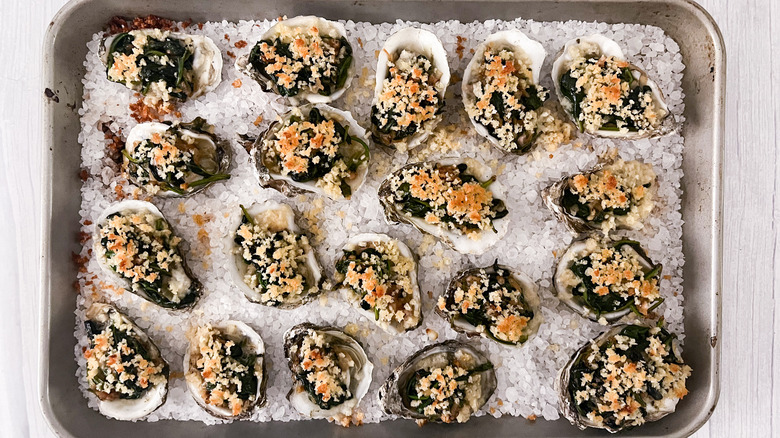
(750, 396)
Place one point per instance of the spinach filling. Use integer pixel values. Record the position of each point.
(459, 393)
(635, 353)
(570, 201)
(241, 353)
(304, 81)
(175, 73)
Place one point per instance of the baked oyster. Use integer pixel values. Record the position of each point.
(618, 195)
(163, 65)
(495, 302)
(303, 58)
(273, 261)
(627, 376)
(176, 159)
(412, 75)
(313, 148)
(456, 201)
(608, 279)
(501, 91)
(331, 372)
(605, 95)
(125, 370)
(225, 369)
(135, 244)
(378, 274)
(466, 376)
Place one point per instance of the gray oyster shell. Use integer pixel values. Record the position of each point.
(153, 398)
(391, 394)
(529, 291)
(564, 293)
(183, 270)
(360, 375)
(566, 405)
(197, 129)
(231, 330)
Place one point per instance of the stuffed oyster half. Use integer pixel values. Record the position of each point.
(331, 372)
(608, 279)
(314, 148)
(615, 195)
(135, 244)
(605, 95)
(273, 262)
(495, 302)
(457, 201)
(125, 370)
(176, 159)
(625, 377)
(163, 65)
(466, 381)
(225, 369)
(304, 58)
(501, 91)
(411, 80)
(378, 274)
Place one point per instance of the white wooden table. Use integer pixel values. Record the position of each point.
(750, 395)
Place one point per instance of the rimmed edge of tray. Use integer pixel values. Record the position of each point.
(707, 197)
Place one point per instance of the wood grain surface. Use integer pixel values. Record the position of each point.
(750, 395)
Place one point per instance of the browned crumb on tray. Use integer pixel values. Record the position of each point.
(236, 83)
(460, 48)
(142, 112)
(114, 143)
(240, 44)
(119, 24)
(231, 54)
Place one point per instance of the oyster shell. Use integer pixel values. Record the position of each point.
(139, 402)
(477, 243)
(650, 402)
(248, 350)
(564, 204)
(518, 309)
(204, 159)
(565, 281)
(350, 359)
(205, 67)
(396, 256)
(173, 287)
(353, 150)
(526, 52)
(416, 42)
(330, 30)
(270, 219)
(595, 46)
(394, 395)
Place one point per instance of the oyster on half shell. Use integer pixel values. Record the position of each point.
(407, 392)
(647, 370)
(584, 75)
(615, 195)
(412, 75)
(314, 148)
(161, 64)
(501, 91)
(585, 279)
(273, 262)
(177, 159)
(134, 243)
(497, 302)
(462, 203)
(304, 58)
(331, 372)
(133, 386)
(224, 368)
(378, 274)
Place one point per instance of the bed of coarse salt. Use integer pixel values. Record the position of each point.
(526, 374)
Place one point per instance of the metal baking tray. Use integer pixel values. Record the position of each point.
(64, 50)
